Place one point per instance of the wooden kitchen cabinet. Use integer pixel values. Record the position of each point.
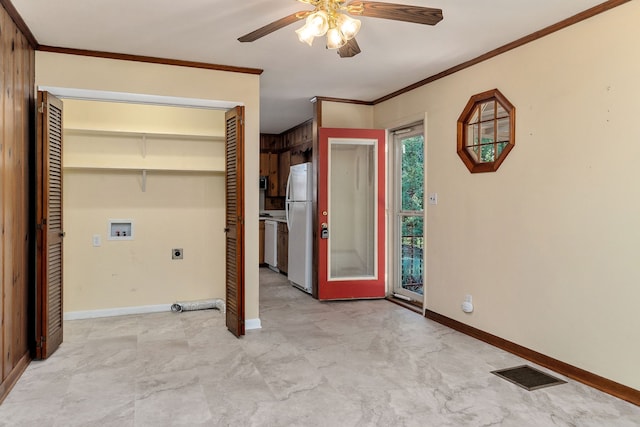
(284, 161)
(283, 247)
(270, 142)
(273, 186)
(261, 243)
(276, 168)
(264, 164)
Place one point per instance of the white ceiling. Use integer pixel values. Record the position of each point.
(394, 54)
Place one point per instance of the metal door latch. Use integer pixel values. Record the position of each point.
(324, 230)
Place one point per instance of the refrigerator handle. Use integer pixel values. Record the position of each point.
(286, 200)
(286, 194)
(286, 211)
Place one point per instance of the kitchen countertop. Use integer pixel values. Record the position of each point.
(273, 218)
(273, 215)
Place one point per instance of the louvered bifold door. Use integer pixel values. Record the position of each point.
(234, 229)
(49, 225)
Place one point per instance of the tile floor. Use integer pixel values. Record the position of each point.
(364, 363)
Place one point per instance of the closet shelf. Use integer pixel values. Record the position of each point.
(142, 169)
(105, 150)
(158, 135)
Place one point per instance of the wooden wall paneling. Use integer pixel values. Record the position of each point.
(20, 205)
(21, 343)
(9, 183)
(3, 173)
(17, 60)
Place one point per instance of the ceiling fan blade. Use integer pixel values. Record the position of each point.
(396, 12)
(350, 49)
(274, 26)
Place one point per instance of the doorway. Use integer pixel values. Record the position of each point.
(160, 170)
(351, 208)
(408, 213)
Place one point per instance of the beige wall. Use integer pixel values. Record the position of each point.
(548, 245)
(345, 115)
(70, 71)
(177, 210)
(140, 272)
(126, 117)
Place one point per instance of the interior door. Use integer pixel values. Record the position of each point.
(351, 212)
(234, 229)
(49, 313)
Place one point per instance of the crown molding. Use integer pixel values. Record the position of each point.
(148, 59)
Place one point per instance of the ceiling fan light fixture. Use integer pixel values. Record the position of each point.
(334, 19)
(349, 27)
(335, 39)
(318, 23)
(305, 34)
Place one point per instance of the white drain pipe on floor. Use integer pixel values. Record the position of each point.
(204, 304)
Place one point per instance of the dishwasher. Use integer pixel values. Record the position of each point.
(271, 244)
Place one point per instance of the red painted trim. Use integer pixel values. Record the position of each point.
(351, 289)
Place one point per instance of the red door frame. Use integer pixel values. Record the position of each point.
(350, 289)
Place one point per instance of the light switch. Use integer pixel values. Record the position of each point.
(433, 198)
(97, 240)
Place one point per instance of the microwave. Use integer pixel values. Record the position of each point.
(263, 183)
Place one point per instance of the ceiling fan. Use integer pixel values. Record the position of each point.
(331, 18)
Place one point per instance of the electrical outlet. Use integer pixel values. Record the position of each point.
(433, 198)
(177, 253)
(467, 305)
(97, 240)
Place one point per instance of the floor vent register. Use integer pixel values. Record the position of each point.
(527, 377)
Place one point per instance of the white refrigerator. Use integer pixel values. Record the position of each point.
(299, 218)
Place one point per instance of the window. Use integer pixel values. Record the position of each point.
(486, 131)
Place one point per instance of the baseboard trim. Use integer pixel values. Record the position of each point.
(119, 311)
(252, 324)
(14, 376)
(603, 384)
(143, 309)
(406, 304)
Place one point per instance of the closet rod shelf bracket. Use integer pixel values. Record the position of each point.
(144, 145)
(144, 180)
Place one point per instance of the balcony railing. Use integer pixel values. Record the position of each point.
(412, 263)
